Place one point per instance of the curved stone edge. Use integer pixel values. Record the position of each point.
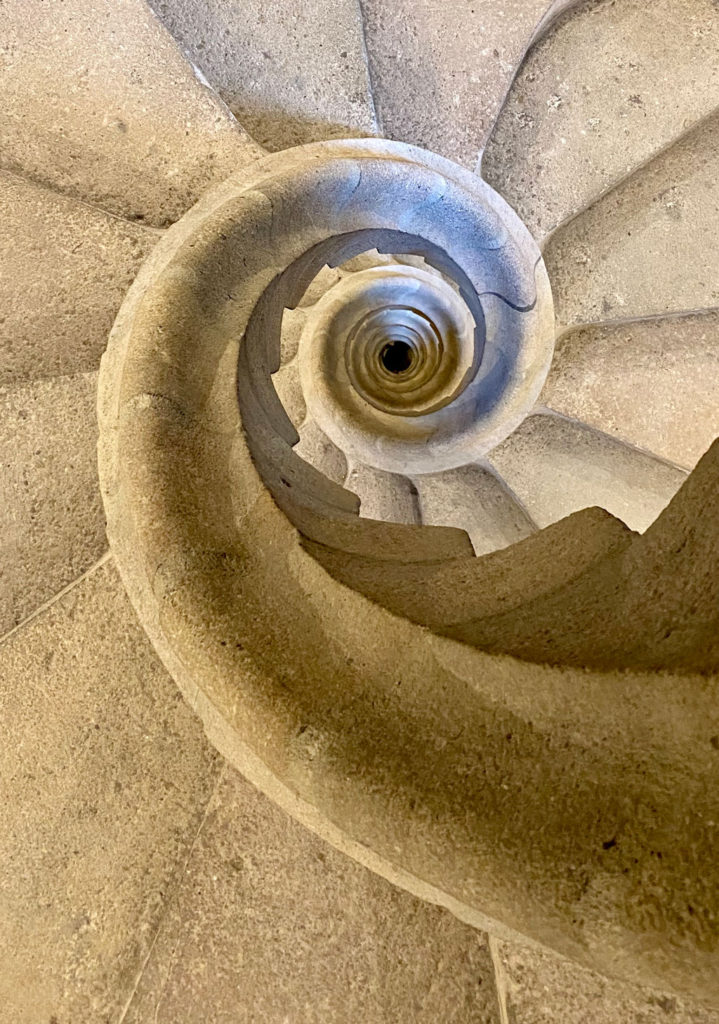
(605, 720)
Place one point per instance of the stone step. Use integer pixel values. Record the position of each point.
(99, 102)
(71, 267)
(386, 496)
(317, 449)
(653, 383)
(474, 499)
(440, 71)
(52, 525)
(557, 466)
(288, 386)
(648, 247)
(606, 90)
(290, 73)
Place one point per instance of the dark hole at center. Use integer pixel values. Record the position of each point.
(396, 356)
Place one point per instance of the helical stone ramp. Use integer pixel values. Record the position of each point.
(529, 738)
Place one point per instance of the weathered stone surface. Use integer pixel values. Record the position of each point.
(290, 72)
(440, 71)
(541, 988)
(474, 499)
(650, 245)
(52, 526)
(99, 103)
(557, 466)
(289, 391)
(69, 268)
(386, 496)
(105, 773)
(653, 383)
(270, 924)
(317, 449)
(607, 88)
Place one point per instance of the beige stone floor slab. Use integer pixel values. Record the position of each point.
(474, 499)
(317, 449)
(290, 72)
(52, 525)
(542, 988)
(270, 925)
(105, 774)
(652, 382)
(650, 246)
(100, 103)
(609, 87)
(67, 269)
(440, 71)
(557, 466)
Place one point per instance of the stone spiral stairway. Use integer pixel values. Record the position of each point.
(550, 779)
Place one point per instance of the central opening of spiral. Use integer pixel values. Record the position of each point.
(396, 356)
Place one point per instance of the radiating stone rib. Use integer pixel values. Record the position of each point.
(52, 526)
(69, 267)
(473, 498)
(649, 246)
(289, 74)
(608, 88)
(317, 449)
(653, 383)
(440, 71)
(99, 103)
(386, 496)
(557, 466)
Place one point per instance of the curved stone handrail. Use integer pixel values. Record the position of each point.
(578, 808)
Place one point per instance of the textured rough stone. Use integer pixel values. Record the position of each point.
(440, 71)
(70, 268)
(557, 466)
(269, 925)
(387, 496)
(100, 103)
(653, 383)
(609, 87)
(541, 988)
(104, 775)
(317, 449)
(650, 245)
(475, 500)
(290, 72)
(52, 525)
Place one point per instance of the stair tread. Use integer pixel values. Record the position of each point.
(51, 518)
(557, 466)
(103, 106)
(291, 73)
(386, 496)
(649, 247)
(607, 89)
(653, 383)
(440, 71)
(71, 266)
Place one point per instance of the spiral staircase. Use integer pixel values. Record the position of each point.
(398, 467)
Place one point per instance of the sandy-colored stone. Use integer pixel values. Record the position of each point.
(653, 383)
(386, 496)
(649, 246)
(52, 526)
(100, 103)
(557, 466)
(69, 266)
(290, 72)
(440, 71)
(271, 925)
(105, 773)
(317, 449)
(541, 988)
(609, 87)
(474, 499)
